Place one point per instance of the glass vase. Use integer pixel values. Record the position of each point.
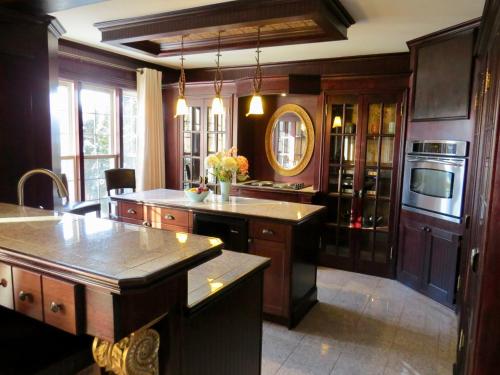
(225, 189)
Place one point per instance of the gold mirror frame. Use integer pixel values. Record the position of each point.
(304, 116)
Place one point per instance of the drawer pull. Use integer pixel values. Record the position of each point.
(4, 283)
(234, 231)
(23, 296)
(268, 232)
(55, 308)
(169, 217)
(131, 211)
(147, 224)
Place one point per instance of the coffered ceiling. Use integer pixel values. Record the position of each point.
(381, 26)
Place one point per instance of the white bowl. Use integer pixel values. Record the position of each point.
(195, 196)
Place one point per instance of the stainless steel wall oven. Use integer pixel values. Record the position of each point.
(434, 178)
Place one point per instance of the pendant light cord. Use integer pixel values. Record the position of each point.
(218, 74)
(182, 77)
(257, 79)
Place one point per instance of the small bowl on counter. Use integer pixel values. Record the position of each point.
(196, 194)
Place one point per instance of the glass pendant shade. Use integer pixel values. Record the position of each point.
(182, 108)
(217, 106)
(256, 107)
(337, 122)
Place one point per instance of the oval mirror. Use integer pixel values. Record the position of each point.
(289, 140)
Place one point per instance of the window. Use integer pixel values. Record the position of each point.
(100, 144)
(202, 134)
(129, 105)
(63, 109)
(99, 138)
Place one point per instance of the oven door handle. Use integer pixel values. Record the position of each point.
(434, 161)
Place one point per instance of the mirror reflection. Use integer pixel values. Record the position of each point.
(289, 140)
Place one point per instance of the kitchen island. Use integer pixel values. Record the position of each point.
(124, 285)
(287, 233)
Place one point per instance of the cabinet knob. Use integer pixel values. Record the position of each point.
(23, 296)
(4, 283)
(169, 217)
(267, 231)
(146, 224)
(55, 307)
(131, 211)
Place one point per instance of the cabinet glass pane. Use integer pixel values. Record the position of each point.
(211, 126)
(333, 209)
(345, 211)
(349, 149)
(211, 143)
(333, 179)
(384, 183)
(374, 117)
(370, 184)
(389, 120)
(330, 238)
(383, 212)
(372, 151)
(196, 170)
(344, 243)
(195, 144)
(347, 181)
(381, 248)
(186, 170)
(196, 119)
(366, 246)
(368, 219)
(337, 120)
(387, 152)
(351, 118)
(335, 149)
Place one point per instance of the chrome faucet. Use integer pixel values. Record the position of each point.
(61, 188)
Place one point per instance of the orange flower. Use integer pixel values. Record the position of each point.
(242, 164)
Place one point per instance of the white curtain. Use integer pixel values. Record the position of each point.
(151, 147)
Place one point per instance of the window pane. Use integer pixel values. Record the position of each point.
(68, 168)
(95, 184)
(129, 105)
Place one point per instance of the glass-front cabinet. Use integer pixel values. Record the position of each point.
(362, 139)
(202, 134)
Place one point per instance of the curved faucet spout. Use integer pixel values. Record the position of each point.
(61, 188)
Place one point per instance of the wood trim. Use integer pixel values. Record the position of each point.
(446, 33)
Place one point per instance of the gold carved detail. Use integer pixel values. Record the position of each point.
(136, 354)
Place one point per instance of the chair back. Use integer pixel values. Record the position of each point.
(119, 179)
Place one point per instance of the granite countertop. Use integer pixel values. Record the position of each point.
(270, 209)
(117, 254)
(212, 277)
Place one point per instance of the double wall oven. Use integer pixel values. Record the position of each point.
(434, 178)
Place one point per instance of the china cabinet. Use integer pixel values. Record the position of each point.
(361, 159)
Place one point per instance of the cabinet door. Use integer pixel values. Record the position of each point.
(378, 177)
(411, 253)
(441, 265)
(275, 277)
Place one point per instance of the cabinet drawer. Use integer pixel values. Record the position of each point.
(131, 210)
(28, 293)
(6, 291)
(172, 216)
(267, 230)
(62, 304)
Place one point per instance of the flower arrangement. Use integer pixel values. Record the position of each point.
(227, 163)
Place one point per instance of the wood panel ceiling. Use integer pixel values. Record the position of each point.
(282, 22)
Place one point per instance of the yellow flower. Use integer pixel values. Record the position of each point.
(212, 161)
(229, 163)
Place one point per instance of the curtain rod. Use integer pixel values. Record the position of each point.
(99, 62)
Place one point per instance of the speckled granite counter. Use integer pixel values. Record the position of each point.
(217, 274)
(116, 253)
(271, 209)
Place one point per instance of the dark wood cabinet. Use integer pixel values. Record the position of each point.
(361, 160)
(428, 258)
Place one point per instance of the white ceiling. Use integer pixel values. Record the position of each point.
(381, 26)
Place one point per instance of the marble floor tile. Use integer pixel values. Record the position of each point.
(364, 325)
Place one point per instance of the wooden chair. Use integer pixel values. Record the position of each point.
(118, 179)
(80, 208)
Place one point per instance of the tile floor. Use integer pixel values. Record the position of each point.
(364, 325)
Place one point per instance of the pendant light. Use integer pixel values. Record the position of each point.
(256, 107)
(182, 108)
(217, 105)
